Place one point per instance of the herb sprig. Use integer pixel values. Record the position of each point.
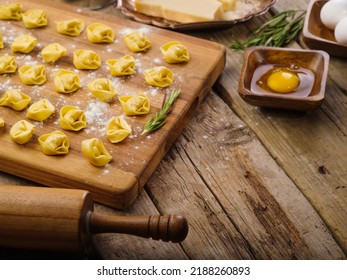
(279, 31)
(157, 120)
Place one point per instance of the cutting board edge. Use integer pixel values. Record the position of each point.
(119, 198)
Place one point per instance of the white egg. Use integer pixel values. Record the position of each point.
(341, 31)
(332, 12)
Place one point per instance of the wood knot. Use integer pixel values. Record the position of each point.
(323, 170)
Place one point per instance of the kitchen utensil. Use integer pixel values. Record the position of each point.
(63, 220)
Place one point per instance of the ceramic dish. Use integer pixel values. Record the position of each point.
(316, 62)
(256, 8)
(316, 35)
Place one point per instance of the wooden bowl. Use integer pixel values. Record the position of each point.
(315, 61)
(316, 35)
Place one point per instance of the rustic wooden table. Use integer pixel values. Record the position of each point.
(253, 183)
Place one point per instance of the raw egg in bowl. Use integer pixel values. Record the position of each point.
(283, 78)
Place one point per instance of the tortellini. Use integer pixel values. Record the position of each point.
(24, 44)
(137, 41)
(54, 143)
(40, 110)
(160, 76)
(121, 67)
(2, 122)
(103, 89)
(137, 104)
(100, 33)
(95, 151)
(21, 132)
(66, 81)
(1, 42)
(86, 59)
(7, 64)
(15, 99)
(70, 27)
(72, 118)
(34, 18)
(11, 11)
(32, 74)
(175, 52)
(52, 52)
(117, 130)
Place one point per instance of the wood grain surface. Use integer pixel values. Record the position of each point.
(253, 183)
(134, 159)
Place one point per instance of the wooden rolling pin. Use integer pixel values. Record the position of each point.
(63, 220)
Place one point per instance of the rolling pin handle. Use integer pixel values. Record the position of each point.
(172, 227)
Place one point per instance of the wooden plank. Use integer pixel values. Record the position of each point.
(119, 183)
(310, 147)
(239, 202)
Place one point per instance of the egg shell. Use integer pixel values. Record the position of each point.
(332, 12)
(341, 31)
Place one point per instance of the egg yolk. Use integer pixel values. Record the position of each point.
(283, 81)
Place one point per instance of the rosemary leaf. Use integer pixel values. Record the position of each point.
(158, 119)
(280, 30)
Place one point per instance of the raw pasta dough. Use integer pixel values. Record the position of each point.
(117, 130)
(137, 41)
(70, 27)
(32, 74)
(52, 52)
(175, 52)
(103, 89)
(121, 67)
(7, 64)
(160, 76)
(21, 132)
(2, 122)
(40, 110)
(100, 33)
(95, 151)
(11, 11)
(15, 99)
(72, 118)
(24, 44)
(66, 81)
(1, 42)
(86, 59)
(137, 104)
(54, 143)
(34, 18)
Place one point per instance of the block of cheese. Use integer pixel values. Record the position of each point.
(149, 7)
(183, 11)
(228, 5)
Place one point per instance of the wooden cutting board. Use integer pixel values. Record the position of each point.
(134, 159)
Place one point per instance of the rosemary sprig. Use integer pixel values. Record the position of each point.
(279, 31)
(158, 119)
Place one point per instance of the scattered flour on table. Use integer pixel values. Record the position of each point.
(96, 116)
(128, 30)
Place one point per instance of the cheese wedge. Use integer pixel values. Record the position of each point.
(149, 7)
(183, 11)
(228, 5)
